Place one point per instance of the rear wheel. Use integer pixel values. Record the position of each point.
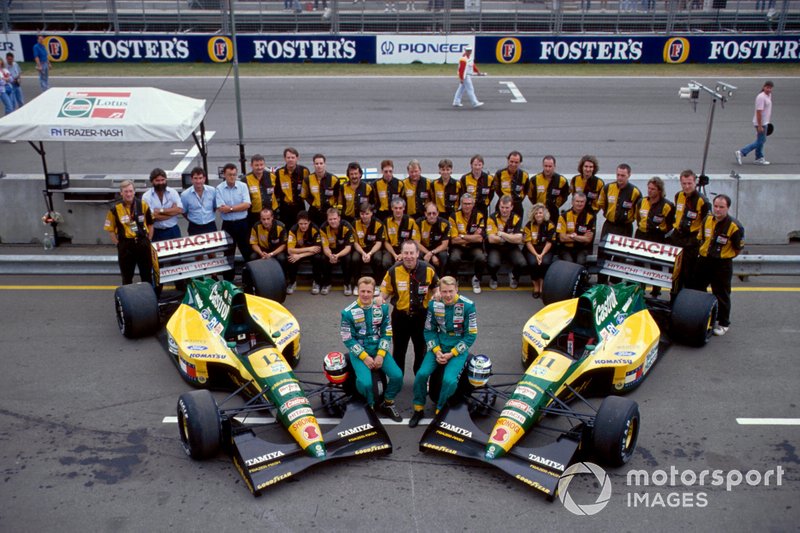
(265, 278)
(616, 430)
(199, 424)
(137, 310)
(563, 281)
(693, 316)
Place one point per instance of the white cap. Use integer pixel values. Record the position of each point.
(468, 48)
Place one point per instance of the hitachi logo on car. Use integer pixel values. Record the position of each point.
(455, 429)
(353, 431)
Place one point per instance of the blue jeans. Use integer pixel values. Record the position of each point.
(16, 96)
(757, 145)
(162, 234)
(8, 104)
(44, 77)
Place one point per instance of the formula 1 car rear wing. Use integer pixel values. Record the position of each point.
(192, 256)
(639, 260)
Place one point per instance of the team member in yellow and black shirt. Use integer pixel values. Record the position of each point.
(503, 239)
(368, 244)
(548, 187)
(434, 238)
(446, 190)
(512, 181)
(575, 231)
(320, 190)
(397, 229)
(691, 208)
(263, 188)
(467, 231)
(290, 180)
(655, 216)
(620, 202)
(303, 242)
(722, 239)
(539, 236)
(416, 190)
(130, 224)
(385, 190)
(410, 284)
(587, 182)
(353, 193)
(337, 243)
(479, 184)
(268, 238)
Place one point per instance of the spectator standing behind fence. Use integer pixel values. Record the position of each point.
(466, 68)
(761, 120)
(15, 72)
(42, 59)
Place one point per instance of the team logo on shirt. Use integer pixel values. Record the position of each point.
(56, 48)
(676, 50)
(220, 49)
(509, 50)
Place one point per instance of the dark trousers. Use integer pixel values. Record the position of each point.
(199, 229)
(511, 254)
(167, 233)
(536, 270)
(327, 269)
(460, 254)
(375, 263)
(407, 328)
(691, 249)
(626, 230)
(574, 255)
(444, 259)
(316, 268)
(718, 273)
(132, 253)
(240, 233)
(288, 213)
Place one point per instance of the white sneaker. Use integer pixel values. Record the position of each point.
(739, 156)
(762, 161)
(476, 285)
(315, 288)
(325, 290)
(719, 331)
(348, 291)
(458, 104)
(512, 281)
(493, 284)
(478, 104)
(291, 287)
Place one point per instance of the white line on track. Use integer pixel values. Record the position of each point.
(768, 421)
(518, 98)
(381, 77)
(191, 154)
(322, 421)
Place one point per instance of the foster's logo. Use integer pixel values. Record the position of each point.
(676, 50)
(57, 48)
(509, 50)
(220, 49)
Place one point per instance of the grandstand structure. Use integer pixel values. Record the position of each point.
(443, 17)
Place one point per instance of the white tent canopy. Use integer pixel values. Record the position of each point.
(104, 114)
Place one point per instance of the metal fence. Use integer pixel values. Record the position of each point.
(407, 16)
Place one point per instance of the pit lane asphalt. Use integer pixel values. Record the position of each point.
(84, 446)
(641, 121)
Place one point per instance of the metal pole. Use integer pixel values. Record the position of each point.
(242, 159)
(708, 135)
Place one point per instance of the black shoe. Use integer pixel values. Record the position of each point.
(537, 295)
(391, 411)
(415, 418)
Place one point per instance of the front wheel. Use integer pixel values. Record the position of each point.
(616, 430)
(199, 424)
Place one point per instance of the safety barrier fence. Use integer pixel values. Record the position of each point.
(552, 17)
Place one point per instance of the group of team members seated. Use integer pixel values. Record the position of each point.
(305, 215)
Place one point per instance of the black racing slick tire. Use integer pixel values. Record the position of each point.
(563, 281)
(693, 316)
(199, 424)
(616, 431)
(265, 278)
(137, 310)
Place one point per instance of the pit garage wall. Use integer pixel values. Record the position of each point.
(756, 199)
(406, 49)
